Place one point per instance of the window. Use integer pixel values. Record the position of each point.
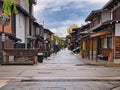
(37, 31)
(104, 42)
(109, 42)
(41, 31)
(116, 13)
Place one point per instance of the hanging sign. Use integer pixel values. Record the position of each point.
(3, 37)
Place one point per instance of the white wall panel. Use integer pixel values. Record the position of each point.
(20, 27)
(117, 29)
(106, 16)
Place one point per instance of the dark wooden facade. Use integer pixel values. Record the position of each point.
(116, 14)
(104, 43)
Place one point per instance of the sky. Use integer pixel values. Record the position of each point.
(58, 15)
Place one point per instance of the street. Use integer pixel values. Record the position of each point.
(61, 71)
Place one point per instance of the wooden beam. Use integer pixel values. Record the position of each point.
(102, 33)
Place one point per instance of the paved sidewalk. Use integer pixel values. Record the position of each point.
(3, 83)
(61, 71)
(98, 62)
(62, 58)
(64, 85)
(117, 88)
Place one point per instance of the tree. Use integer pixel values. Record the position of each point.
(67, 39)
(71, 28)
(9, 6)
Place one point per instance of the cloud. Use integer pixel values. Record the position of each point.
(58, 15)
(56, 9)
(62, 29)
(52, 4)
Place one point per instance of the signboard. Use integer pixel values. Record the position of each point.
(37, 31)
(3, 37)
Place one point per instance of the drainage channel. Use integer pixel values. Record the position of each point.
(63, 81)
(52, 79)
(89, 64)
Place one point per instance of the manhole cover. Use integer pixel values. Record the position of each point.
(44, 72)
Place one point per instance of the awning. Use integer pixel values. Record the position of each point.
(101, 33)
(85, 36)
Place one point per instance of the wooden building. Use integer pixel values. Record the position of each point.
(10, 37)
(20, 26)
(47, 42)
(23, 23)
(38, 42)
(114, 7)
(104, 39)
(74, 43)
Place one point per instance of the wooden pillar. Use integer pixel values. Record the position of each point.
(114, 44)
(92, 49)
(88, 48)
(5, 58)
(96, 48)
(35, 60)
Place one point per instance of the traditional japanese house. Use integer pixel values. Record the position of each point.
(99, 43)
(84, 39)
(104, 42)
(114, 7)
(39, 37)
(23, 23)
(8, 32)
(47, 42)
(10, 36)
(74, 38)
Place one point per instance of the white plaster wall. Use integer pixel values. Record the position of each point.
(117, 29)
(24, 5)
(33, 29)
(94, 54)
(27, 25)
(106, 16)
(20, 27)
(33, 9)
(45, 36)
(105, 43)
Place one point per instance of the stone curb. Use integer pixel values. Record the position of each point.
(62, 78)
(117, 88)
(98, 63)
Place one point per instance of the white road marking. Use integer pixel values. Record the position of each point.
(3, 83)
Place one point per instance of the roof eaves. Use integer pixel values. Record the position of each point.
(25, 12)
(107, 4)
(92, 13)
